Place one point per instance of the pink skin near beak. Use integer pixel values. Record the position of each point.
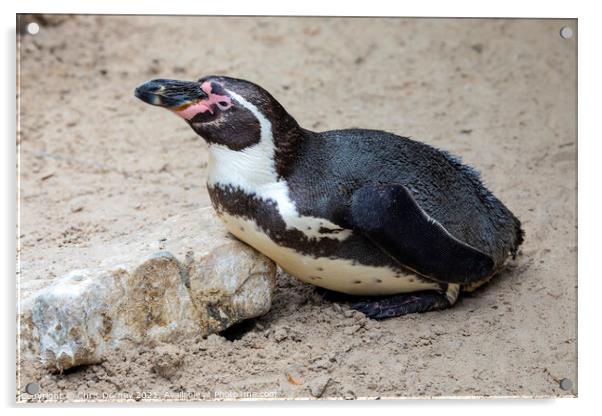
(223, 102)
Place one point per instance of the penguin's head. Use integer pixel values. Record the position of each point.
(222, 110)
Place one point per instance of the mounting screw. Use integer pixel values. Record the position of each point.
(33, 28)
(566, 384)
(32, 388)
(566, 32)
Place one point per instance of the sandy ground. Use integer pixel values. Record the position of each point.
(96, 164)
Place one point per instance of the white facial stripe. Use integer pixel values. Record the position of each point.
(250, 168)
(253, 170)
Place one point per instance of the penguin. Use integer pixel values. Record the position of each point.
(396, 224)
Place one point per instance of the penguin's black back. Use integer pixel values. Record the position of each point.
(331, 165)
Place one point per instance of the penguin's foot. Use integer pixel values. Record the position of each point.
(402, 304)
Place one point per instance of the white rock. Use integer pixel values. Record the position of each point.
(204, 284)
(318, 385)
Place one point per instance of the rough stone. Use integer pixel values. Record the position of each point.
(318, 385)
(198, 284)
(167, 360)
(280, 335)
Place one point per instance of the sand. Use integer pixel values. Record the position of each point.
(97, 164)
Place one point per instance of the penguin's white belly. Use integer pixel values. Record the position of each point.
(341, 275)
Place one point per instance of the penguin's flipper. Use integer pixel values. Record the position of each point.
(389, 216)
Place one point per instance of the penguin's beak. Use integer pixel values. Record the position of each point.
(171, 94)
